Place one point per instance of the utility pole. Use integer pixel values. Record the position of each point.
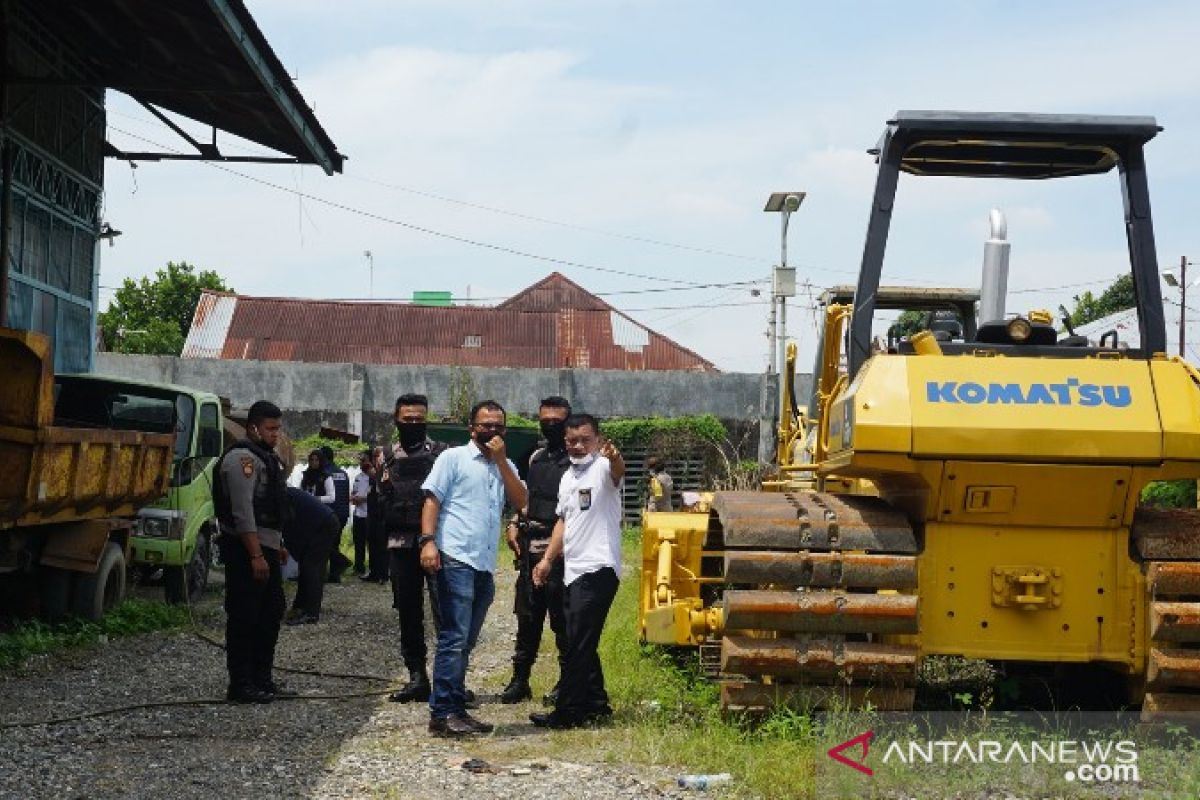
(772, 339)
(783, 286)
(1183, 262)
(371, 266)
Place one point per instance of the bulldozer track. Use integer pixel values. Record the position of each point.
(1169, 543)
(814, 580)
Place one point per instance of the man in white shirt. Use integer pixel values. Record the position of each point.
(588, 535)
(358, 501)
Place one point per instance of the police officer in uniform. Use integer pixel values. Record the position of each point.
(401, 498)
(252, 505)
(528, 537)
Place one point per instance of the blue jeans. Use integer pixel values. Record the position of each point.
(464, 595)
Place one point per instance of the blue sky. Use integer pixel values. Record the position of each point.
(669, 121)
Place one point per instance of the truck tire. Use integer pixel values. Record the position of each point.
(98, 593)
(55, 593)
(187, 583)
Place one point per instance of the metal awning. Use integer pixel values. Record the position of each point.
(203, 59)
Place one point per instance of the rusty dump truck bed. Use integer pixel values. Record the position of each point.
(54, 473)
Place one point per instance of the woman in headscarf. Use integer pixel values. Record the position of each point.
(316, 481)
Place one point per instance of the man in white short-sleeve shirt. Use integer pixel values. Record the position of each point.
(588, 535)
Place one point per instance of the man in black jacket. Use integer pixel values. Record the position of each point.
(528, 537)
(400, 499)
(309, 535)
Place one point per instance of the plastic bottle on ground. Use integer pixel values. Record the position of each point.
(703, 781)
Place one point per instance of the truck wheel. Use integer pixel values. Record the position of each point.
(100, 592)
(55, 593)
(187, 583)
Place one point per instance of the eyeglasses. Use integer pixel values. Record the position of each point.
(489, 426)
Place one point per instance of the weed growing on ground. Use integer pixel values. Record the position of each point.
(667, 714)
(27, 639)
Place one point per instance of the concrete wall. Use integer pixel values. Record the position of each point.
(360, 398)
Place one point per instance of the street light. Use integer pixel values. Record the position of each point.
(783, 283)
(371, 266)
(1182, 285)
(783, 286)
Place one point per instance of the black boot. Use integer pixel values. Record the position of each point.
(417, 689)
(550, 698)
(518, 688)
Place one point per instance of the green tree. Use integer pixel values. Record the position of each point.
(153, 315)
(1117, 297)
(908, 323)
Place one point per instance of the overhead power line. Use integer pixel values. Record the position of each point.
(558, 223)
(677, 284)
(418, 228)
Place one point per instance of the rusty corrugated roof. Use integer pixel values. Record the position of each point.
(554, 323)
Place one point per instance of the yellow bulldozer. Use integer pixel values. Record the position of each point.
(1000, 467)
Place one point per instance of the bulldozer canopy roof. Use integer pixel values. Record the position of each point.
(1011, 145)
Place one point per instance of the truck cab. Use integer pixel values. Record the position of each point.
(175, 533)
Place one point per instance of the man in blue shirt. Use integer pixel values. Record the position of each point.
(460, 533)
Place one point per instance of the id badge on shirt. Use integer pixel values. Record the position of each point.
(585, 499)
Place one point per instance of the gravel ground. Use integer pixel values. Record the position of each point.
(322, 748)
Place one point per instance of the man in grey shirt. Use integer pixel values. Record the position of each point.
(250, 495)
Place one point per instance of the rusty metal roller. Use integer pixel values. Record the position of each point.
(1174, 578)
(1173, 668)
(1167, 533)
(1159, 707)
(820, 612)
(1175, 621)
(815, 659)
(846, 570)
(812, 522)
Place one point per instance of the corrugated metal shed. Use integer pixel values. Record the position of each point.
(554, 323)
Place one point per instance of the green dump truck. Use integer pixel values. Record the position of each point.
(175, 531)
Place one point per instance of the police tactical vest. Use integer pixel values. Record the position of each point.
(271, 507)
(546, 469)
(341, 494)
(401, 490)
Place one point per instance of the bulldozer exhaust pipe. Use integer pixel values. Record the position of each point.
(993, 293)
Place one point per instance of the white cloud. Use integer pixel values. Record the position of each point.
(551, 129)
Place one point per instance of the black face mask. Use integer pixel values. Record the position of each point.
(411, 433)
(555, 432)
(483, 437)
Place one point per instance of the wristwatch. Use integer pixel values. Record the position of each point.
(425, 537)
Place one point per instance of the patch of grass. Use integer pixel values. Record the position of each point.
(667, 715)
(27, 639)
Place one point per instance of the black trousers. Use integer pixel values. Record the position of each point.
(377, 549)
(253, 611)
(310, 582)
(410, 584)
(361, 528)
(532, 605)
(586, 603)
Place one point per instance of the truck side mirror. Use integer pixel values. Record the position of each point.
(188, 469)
(210, 443)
